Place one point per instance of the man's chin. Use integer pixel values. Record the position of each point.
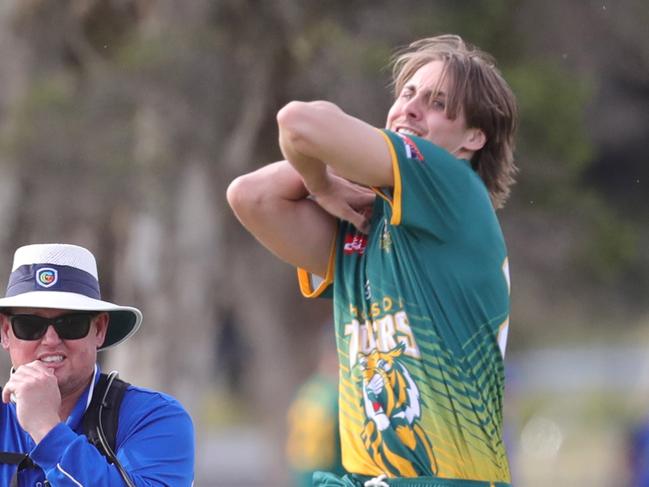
(60, 375)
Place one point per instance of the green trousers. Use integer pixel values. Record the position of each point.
(324, 479)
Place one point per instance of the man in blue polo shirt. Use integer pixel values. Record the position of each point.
(52, 323)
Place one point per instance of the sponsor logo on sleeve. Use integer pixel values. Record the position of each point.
(412, 151)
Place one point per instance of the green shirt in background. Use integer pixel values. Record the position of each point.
(313, 439)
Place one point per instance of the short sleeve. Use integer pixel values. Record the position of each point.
(433, 191)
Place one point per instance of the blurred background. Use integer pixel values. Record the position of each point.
(123, 121)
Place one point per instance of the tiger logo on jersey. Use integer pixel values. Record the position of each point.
(392, 408)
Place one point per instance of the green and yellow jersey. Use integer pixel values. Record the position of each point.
(421, 307)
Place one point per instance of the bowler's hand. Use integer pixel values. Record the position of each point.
(35, 390)
(345, 200)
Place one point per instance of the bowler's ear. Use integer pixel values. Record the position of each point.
(475, 140)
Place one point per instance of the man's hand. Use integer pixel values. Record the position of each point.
(35, 390)
(345, 200)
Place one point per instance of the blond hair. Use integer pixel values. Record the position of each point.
(478, 90)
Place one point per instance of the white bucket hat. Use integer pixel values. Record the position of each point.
(61, 276)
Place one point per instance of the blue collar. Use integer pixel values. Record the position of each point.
(74, 420)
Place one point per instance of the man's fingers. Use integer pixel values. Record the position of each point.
(364, 199)
(26, 375)
(364, 226)
(358, 220)
(34, 369)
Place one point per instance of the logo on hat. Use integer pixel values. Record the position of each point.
(46, 277)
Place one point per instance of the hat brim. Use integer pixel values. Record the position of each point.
(124, 320)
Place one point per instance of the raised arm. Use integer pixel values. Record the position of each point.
(272, 204)
(317, 134)
(291, 206)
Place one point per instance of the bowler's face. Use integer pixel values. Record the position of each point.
(72, 361)
(420, 109)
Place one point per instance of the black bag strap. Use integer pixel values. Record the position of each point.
(23, 461)
(101, 418)
(13, 458)
(106, 399)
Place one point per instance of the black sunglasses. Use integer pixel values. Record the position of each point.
(71, 326)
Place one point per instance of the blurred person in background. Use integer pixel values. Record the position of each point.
(313, 439)
(398, 225)
(52, 323)
(638, 454)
